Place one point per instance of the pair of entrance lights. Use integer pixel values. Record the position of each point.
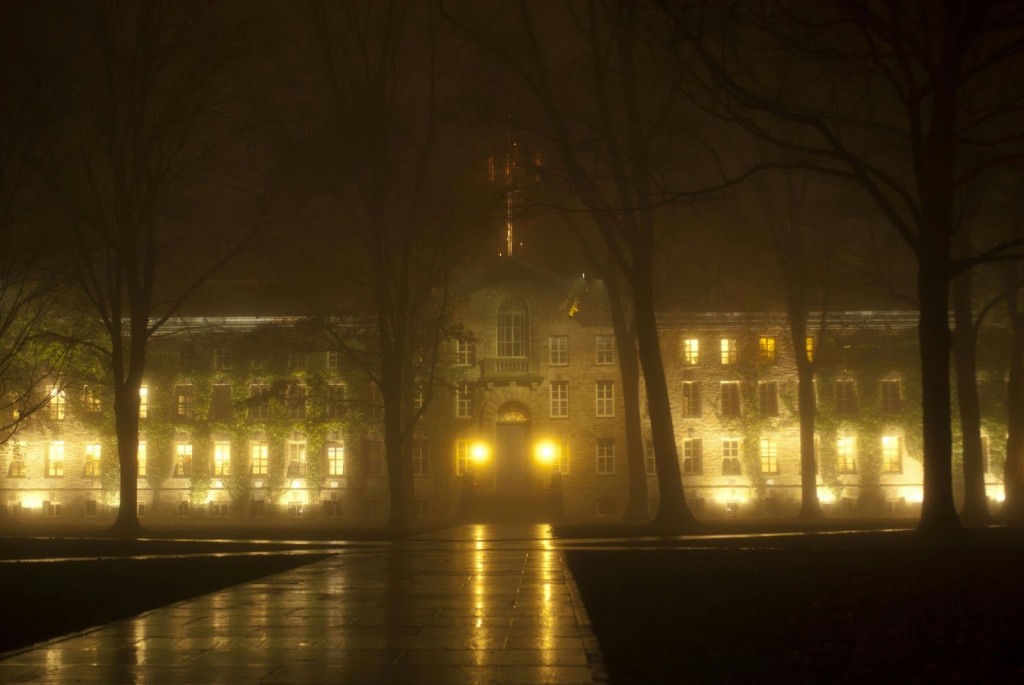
(544, 452)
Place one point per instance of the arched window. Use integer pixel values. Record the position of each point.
(512, 328)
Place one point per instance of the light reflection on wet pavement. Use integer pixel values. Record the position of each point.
(474, 604)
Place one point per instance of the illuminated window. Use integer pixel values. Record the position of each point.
(605, 456)
(846, 398)
(297, 401)
(731, 457)
(258, 458)
(892, 454)
(420, 457)
(91, 466)
(418, 397)
(335, 458)
(558, 350)
(846, 455)
(512, 328)
(563, 457)
(559, 399)
(730, 398)
(57, 405)
(605, 349)
(809, 348)
(691, 399)
(331, 358)
(461, 457)
(374, 450)
(693, 456)
(221, 458)
(891, 397)
(16, 469)
(336, 401)
(729, 351)
(55, 459)
(691, 351)
(141, 454)
(984, 453)
(376, 403)
(464, 353)
(296, 457)
(605, 395)
(766, 349)
(296, 361)
(90, 400)
(259, 402)
(182, 460)
(185, 401)
(222, 359)
(220, 402)
(768, 398)
(463, 401)
(650, 466)
(144, 402)
(769, 456)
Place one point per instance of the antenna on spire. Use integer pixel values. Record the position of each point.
(509, 161)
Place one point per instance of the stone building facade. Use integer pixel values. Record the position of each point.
(249, 419)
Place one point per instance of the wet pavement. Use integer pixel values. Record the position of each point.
(475, 604)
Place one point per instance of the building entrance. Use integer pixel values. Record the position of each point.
(512, 451)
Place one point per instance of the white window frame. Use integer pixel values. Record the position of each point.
(605, 457)
(604, 399)
(558, 396)
(558, 350)
(604, 349)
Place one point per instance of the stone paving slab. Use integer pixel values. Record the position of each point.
(476, 604)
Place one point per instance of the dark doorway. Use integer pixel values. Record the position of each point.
(512, 458)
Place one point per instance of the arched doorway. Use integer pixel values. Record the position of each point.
(512, 449)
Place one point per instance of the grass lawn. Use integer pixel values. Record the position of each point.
(43, 600)
(881, 607)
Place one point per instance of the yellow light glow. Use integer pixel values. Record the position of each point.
(545, 452)
(32, 501)
(996, 492)
(480, 452)
(913, 494)
(826, 495)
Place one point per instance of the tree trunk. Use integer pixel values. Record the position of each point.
(391, 393)
(938, 512)
(810, 506)
(1013, 473)
(673, 514)
(126, 425)
(975, 509)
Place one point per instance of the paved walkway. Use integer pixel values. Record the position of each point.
(476, 604)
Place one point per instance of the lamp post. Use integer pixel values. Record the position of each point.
(546, 453)
(479, 453)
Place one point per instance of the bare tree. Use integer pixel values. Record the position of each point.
(132, 163)
(589, 71)
(906, 101)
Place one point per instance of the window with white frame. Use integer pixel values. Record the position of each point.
(846, 398)
(463, 401)
(691, 351)
(605, 349)
(730, 398)
(650, 465)
(259, 402)
(691, 399)
(55, 459)
(558, 350)
(296, 360)
(892, 454)
(57, 405)
(335, 456)
(420, 457)
(222, 359)
(144, 402)
(259, 458)
(331, 360)
(559, 399)
(464, 352)
(730, 351)
(766, 349)
(768, 398)
(91, 400)
(16, 469)
(221, 458)
(296, 448)
(184, 401)
(91, 465)
(605, 456)
(182, 459)
(731, 457)
(512, 328)
(846, 454)
(461, 457)
(769, 456)
(605, 398)
(693, 456)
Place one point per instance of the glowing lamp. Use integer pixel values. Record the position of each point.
(479, 452)
(545, 452)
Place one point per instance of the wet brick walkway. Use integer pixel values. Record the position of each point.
(476, 604)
